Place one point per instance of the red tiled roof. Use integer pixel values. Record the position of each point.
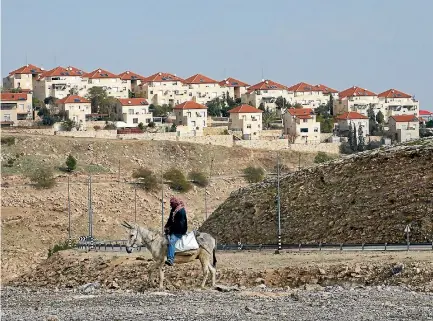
(267, 85)
(244, 108)
(232, 82)
(73, 99)
(27, 69)
(404, 118)
(300, 111)
(162, 76)
(129, 75)
(200, 79)
(100, 73)
(355, 91)
(133, 101)
(351, 115)
(190, 105)
(425, 113)
(326, 90)
(393, 93)
(303, 87)
(61, 71)
(13, 96)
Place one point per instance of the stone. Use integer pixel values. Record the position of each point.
(259, 281)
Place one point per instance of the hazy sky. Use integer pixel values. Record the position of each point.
(375, 44)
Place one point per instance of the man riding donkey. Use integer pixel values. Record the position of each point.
(176, 227)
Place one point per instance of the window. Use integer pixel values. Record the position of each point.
(305, 120)
(6, 117)
(135, 120)
(21, 106)
(189, 114)
(249, 126)
(304, 130)
(151, 92)
(316, 129)
(131, 111)
(147, 120)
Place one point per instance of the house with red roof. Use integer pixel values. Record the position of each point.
(234, 87)
(191, 118)
(403, 127)
(352, 118)
(108, 81)
(14, 107)
(131, 80)
(60, 82)
(247, 120)
(265, 93)
(203, 89)
(133, 111)
(22, 77)
(76, 108)
(395, 102)
(163, 88)
(301, 126)
(355, 99)
(425, 115)
(308, 96)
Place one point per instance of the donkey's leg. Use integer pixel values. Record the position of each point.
(212, 272)
(204, 260)
(161, 277)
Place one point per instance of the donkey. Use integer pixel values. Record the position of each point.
(157, 245)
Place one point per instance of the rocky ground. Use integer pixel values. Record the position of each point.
(330, 303)
(364, 198)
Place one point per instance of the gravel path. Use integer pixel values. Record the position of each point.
(333, 303)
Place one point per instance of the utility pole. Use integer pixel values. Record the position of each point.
(162, 201)
(135, 202)
(90, 207)
(299, 162)
(278, 204)
(69, 216)
(119, 173)
(205, 189)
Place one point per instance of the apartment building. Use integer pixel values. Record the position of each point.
(301, 126)
(404, 127)
(203, 89)
(17, 106)
(246, 119)
(131, 80)
(307, 95)
(352, 118)
(234, 87)
(60, 82)
(356, 99)
(76, 108)
(108, 81)
(327, 91)
(133, 111)
(163, 88)
(426, 115)
(266, 92)
(23, 77)
(394, 102)
(191, 118)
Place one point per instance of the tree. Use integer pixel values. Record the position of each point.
(73, 91)
(373, 121)
(177, 180)
(97, 95)
(361, 140)
(350, 137)
(282, 103)
(214, 107)
(147, 180)
(71, 163)
(355, 139)
(131, 94)
(254, 174)
(108, 106)
(331, 105)
(322, 157)
(141, 126)
(42, 177)
(261, 106)
(231, 103)
(37, 104)
(68, 124)
(429, 124)
(161, 111)
(198, 178)
(267, 118)
(51, 101)
(380, 118)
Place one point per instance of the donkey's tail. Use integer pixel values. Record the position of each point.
(214, 259)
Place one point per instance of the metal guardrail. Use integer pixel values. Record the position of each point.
(120, 245)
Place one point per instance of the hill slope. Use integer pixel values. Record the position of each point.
(368, 197)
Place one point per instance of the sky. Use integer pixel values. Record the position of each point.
(374, 44)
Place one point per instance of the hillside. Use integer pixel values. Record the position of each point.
(368, 197)
(34, 220)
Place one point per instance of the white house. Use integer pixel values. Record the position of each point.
(133, 111)
(404, 127)
(307, 95)
(22, 77)
(352, 119)
(356, 99)
(108, 81)
(394, 102)
(266, 92)
(301, 126)
(20, 104)
(76, 108)
(60, 82)
(163, 88)
(246, 119)
(234, 87)
(426, 115)
(327, 91)
(131, 80)
(191, 118)
(203, 89)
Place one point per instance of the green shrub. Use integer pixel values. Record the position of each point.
(254, 174)
(177, 180)
(225, 132)
(141, 126)
(8, 140)
(322, 157)
(42, 178)
(61, 247)
(148, 180)
(198, 178)
(71, 163)
(96, 127)
(151, 124)
(68, 125)
(110, 126)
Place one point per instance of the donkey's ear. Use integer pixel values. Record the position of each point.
(125, 224)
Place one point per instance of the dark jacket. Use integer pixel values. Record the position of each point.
(179, 225)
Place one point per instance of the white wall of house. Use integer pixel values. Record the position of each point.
(403, 131)
(398, 106)
(76, 111)
(133, 115)
(343, 125)
(194, 119)
(267, 97)
(23, 106)
(310, 99)
(359, 104)
(250, 124)
(203, 93)
(303, 130)
(23, 81)
(165, 92)
(60, 87)
(113, 86)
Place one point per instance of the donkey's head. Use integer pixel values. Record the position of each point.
(134, 235)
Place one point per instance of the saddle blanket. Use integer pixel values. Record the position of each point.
(186, 243)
